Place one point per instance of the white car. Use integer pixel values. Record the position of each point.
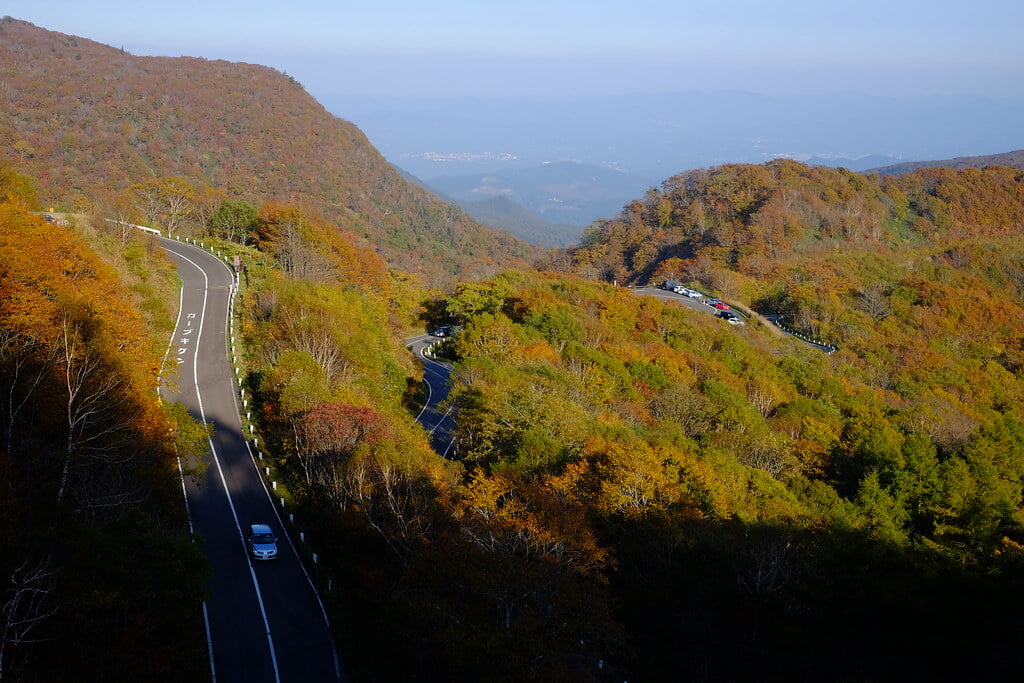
(679, 290)
(692, 293)
(262, 543)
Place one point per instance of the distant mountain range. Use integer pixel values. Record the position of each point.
(562, 192)
(504, 214)
(501, 213)
(859, 164)
(473, 148)
(1014, 159)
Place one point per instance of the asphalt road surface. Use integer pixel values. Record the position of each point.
(265, 620)
(435, 417)
(695, 304)
(699, 305)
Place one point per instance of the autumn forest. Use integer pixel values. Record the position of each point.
(640, 491)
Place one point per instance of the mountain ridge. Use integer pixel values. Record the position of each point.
(753, 220)
(1014, 159)
(88, 119)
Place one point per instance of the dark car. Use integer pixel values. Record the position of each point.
(443, 331)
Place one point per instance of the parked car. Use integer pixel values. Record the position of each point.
(670, 285)
(262, 543)
(443, 331)
(718, 303)
(679, 290)
(692, 293)
(731, 317)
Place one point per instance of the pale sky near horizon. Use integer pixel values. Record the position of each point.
(577, 47)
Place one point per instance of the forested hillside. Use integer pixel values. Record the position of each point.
(748, 230)
(98, 579)
(638, 490)
(641, 491)
(89, 121)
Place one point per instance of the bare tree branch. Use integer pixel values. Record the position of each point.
(25, 607)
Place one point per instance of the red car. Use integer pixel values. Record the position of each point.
(719, 304)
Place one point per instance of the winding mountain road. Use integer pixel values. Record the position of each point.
(437, 377)
(770, 321)
(264, 621)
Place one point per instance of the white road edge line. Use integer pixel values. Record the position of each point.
(266, 491)
(277, 513)
(430, 392)
(181, 478)
(220, 471)
(209, 642)
(427, 362)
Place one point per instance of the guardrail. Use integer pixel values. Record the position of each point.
(827, 347)
(152, 231)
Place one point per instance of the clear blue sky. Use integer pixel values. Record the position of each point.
(577, 47)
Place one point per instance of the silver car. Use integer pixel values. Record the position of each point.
(262, 543)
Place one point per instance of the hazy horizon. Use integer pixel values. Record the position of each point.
(458, 48)
(649, 89)
(656, 135)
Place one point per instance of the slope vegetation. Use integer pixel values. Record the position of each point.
(99, 579)
(639, 490)
(88, 119)
(737, 226)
